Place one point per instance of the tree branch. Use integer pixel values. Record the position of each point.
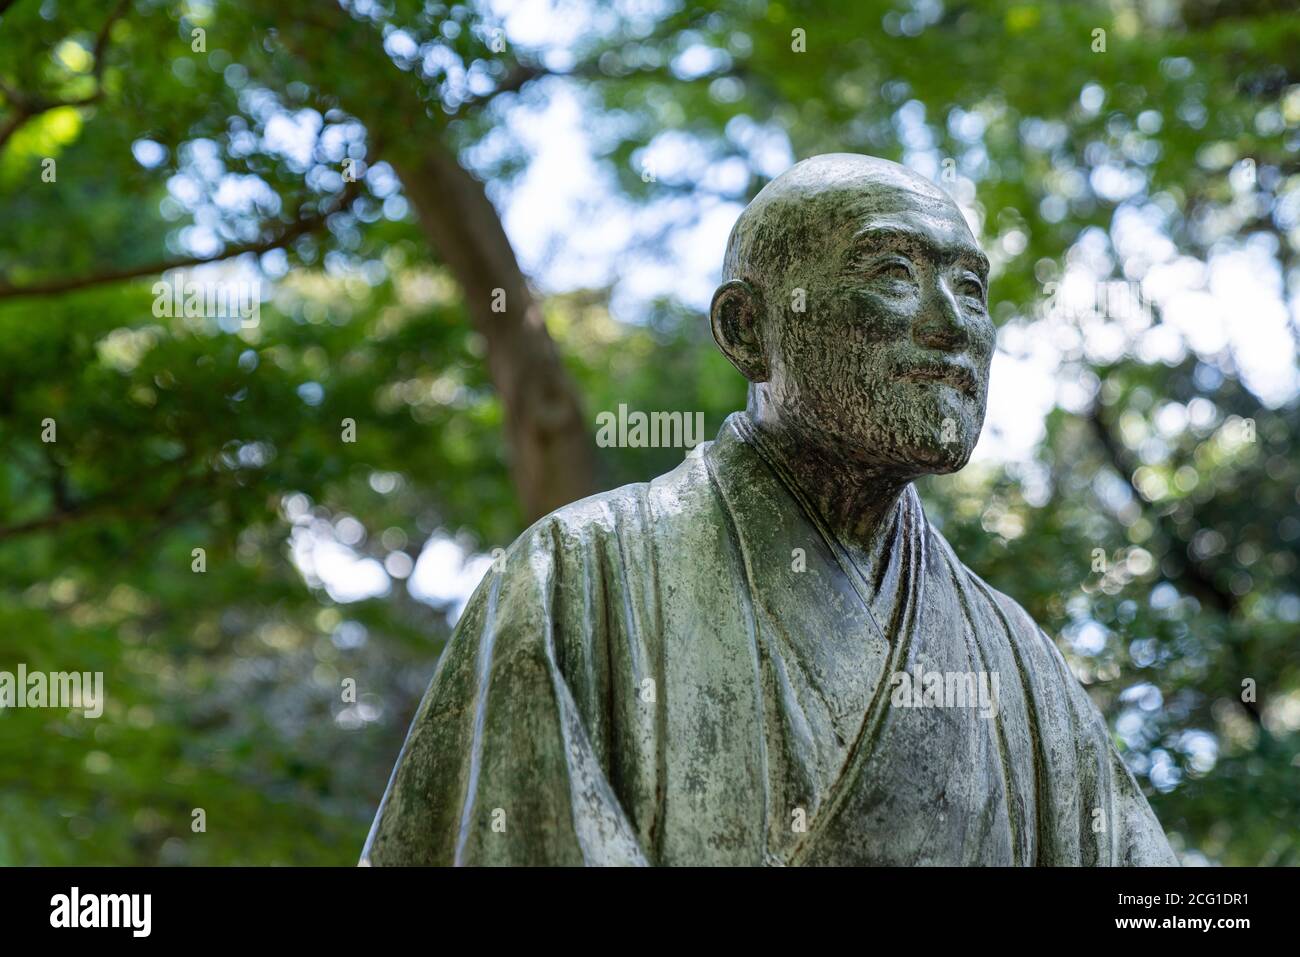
(302, 227)
(515, 79)
(28, 107)
(111, 504)
(1198, 576)
(1200, 579)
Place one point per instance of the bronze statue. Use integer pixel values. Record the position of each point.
(768, 656)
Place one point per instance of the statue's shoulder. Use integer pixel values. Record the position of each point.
(1010, 609)
(630, 511)
(1022, 630)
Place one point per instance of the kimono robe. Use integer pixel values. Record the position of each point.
(693, 671)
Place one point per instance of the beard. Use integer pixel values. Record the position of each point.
(906, 428)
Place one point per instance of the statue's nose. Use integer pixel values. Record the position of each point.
(941, 324)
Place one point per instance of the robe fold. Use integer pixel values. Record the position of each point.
(694, 671)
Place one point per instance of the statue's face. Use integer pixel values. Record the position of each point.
(888, 363)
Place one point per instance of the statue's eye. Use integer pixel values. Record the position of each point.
(971, 287)
(894, 269)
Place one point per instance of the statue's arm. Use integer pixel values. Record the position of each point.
(1114, 817)
(1138, 840)
(1141, 839)
(498, 767)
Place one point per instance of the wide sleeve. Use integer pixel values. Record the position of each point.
(1140, 840)
(1123, 827)
(498, 768)
(1091, 810)
(1125, 830)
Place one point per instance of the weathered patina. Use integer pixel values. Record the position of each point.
(769, 656)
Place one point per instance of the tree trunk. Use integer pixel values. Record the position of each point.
(552, 459)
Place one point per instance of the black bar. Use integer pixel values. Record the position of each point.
(301, 906)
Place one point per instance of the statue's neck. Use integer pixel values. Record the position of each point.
(852, 500)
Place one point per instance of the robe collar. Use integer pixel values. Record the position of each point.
(886, 578)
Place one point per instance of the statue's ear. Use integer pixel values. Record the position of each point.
(735, 313)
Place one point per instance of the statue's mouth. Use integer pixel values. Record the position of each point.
(955, 374)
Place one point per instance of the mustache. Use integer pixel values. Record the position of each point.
(958, 373)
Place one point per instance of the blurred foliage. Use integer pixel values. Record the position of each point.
(223, 688)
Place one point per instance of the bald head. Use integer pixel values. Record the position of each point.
(788, 221)
(855, 301)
